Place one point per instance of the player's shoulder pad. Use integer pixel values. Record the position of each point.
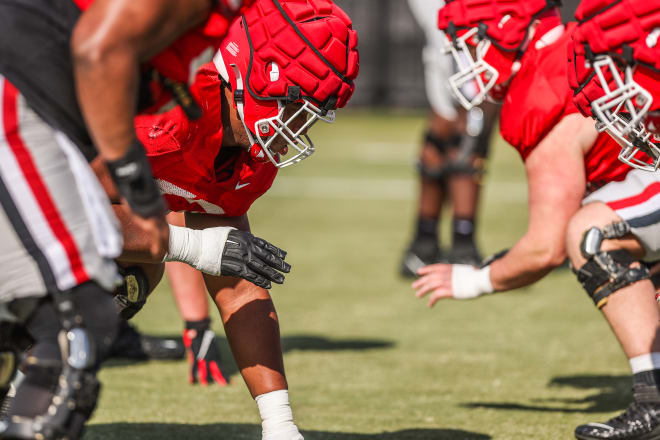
(538, 97)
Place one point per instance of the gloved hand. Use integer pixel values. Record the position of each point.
(254, 259)
(229, 252)
(203, 353)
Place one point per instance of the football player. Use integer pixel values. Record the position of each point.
(614, 63)
(58, 233)
(512, 48)
(451, 160)
(282, 67)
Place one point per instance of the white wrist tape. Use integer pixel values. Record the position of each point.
(200, 248)
(277, 417)
(469, 282)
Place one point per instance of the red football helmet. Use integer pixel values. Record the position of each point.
(284, 52)
(498, 32)
(614, 62)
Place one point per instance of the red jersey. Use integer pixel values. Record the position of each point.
(181, 59)
(192, 169)
(539, 97)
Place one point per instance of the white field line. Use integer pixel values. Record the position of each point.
(339, 188)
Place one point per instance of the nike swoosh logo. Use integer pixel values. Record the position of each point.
(240, 185)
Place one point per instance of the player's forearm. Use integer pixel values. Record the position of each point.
(137, 243)
(526, 263)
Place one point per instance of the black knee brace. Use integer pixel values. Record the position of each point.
(436, 174)
(72, 332)
(131, 296)
(442, 144)
(14, 340)
(605, 272)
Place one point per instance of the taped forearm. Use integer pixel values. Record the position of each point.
(199, 248)
(470, 282)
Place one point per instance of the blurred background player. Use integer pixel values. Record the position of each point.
(451, 162)
(583, 202)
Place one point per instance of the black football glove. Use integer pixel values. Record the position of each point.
(203, 353)
(254, 259)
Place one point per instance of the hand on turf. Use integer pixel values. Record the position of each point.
(436, 280)
(460, 281)
(254, 259)
(203, 357)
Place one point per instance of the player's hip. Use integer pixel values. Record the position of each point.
(636, 200)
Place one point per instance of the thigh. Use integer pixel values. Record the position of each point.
(55, 214)
(636, 200)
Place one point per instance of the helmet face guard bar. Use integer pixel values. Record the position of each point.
(297, 140)
(621, 112)
(470, 71)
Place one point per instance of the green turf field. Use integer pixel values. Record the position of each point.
(365, 359)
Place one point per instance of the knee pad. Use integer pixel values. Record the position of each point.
(437, 174)
(608, 271)
(466, 166)
(131, 296)
(69, 396)
(442, 144)
(60, 389)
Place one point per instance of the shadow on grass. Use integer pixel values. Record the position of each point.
(289, 343)
(614, 393)
(238, 431)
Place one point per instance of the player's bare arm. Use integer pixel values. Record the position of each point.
(110, 40)
(108, 43)
(556, 184)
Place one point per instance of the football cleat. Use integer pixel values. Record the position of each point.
(420, 254)
(641, 421)
(131, 344)
(465, 254)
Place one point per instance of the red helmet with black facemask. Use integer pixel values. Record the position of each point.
(289, 63)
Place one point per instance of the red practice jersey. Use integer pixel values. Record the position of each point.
(192, 169)
(539, 97)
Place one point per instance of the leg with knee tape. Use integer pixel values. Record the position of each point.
(441, 145)
(465, 161)
(472, 148)
(606, 272)
(72, 333)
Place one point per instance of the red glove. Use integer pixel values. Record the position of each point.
(203, 353)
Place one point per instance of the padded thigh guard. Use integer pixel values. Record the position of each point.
(609, 271)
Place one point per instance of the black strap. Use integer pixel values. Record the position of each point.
(132, 175)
